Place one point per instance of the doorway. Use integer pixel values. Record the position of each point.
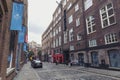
(81, 59)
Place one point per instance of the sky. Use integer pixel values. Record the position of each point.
(39, 17)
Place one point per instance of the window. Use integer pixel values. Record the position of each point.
(76, 7)
(56, 31)
(10, 57)
(59, 28)
(92, 43)
(90, 21)
(79, 37)
(64, 3)
(54, 44)
(111, 38)
(10, 62)
(77, 21)
(70, 19)
(88, 3)
(107, 15)
(69, 6)
(71, 35)
(65, 37)
(71, 47)
(59, 40)
(59, 10)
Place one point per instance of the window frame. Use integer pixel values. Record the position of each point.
(70, 19)
(108, 38)
(91, 18)
(86, 5)
(76, 7)
(107, 15)
(77, 22)
(92, 42)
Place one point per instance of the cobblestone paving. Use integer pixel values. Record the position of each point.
(57, 72)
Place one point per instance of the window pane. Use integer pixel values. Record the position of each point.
(103, 10)
(93, 28)
(89, 24)
(109, 6)
(89, 30)
(104, 15)
(110, 12)
(105, 23)
(112, 20)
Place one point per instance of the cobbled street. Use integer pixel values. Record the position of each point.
(50, 71)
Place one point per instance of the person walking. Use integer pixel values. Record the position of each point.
(70, 63)
(56, 62)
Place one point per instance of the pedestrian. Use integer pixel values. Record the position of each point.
(70, 63)
(56, 62)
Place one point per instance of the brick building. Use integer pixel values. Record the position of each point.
(85, 32)
(9, 39)
(35, 47)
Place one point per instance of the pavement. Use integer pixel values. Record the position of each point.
(28, 73)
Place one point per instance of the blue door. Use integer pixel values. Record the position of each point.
(114, 58)
(94, 57)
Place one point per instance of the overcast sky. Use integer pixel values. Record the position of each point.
(39, 17)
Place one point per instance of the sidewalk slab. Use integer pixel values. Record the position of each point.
(27, 73)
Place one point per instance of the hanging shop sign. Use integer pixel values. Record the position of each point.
(17, 16)
(21, 35)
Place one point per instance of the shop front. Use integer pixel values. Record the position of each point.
(58, 57)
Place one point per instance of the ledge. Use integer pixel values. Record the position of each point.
(9, 71)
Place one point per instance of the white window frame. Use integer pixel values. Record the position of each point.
(59, 28)
(76, 7)
(54, 43)
(79, 37)
(107, 16)
(59, 40)
(71, 47)
(111, 38)
(65, 37)
(64, 2)
(90, 23)
(11, 60)
(77, 22)
(92, 43)
(59, 10)
(70, 4)
(88, 3)
(71, 35)
(70, 19)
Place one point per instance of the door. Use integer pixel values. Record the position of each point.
(114, 58)
(94, 57)
(66, 56)
(81, 59)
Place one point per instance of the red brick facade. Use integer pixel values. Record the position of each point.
(5, 37)
(99, 33)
